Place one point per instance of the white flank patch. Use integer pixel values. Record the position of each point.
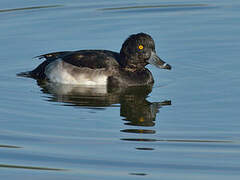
(61, 72)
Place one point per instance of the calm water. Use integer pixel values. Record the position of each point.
(184, 127)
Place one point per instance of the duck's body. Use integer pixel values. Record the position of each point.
(102, 67)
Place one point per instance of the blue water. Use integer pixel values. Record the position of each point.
(185, 127)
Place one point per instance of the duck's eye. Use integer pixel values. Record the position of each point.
(140, 46)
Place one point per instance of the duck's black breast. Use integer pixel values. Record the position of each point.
(131, 78)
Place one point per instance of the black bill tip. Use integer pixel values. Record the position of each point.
(167, 66)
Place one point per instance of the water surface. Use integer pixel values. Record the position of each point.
(184, 127)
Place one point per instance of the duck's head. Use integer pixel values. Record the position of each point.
(138, 50)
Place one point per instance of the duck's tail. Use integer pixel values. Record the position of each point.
(25, 74)
(54, 55)
(38, 72)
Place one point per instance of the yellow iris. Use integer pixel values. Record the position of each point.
(141, 119)
(140, 46)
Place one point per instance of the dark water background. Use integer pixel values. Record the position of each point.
(186, 127)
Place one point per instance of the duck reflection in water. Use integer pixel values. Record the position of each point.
(134, 107)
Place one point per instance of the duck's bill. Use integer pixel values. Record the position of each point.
(156, 61)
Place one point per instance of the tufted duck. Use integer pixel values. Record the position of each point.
(102, 67)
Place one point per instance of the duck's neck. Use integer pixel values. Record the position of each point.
(129, 64)
(123, 59)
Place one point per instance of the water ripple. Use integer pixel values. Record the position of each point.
(28, 8)
(155, 6)
(9, 146)
(177, 140)
(30, 167)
